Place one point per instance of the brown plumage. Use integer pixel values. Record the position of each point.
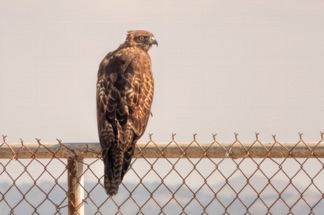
(124, 97)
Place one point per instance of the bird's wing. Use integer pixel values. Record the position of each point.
(124, 96)
(139, 94)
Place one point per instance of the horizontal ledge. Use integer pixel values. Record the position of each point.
(167, 150)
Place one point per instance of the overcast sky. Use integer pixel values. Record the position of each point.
(221, 67)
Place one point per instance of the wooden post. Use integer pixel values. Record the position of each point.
(75, 186)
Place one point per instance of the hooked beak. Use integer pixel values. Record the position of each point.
(154, 41)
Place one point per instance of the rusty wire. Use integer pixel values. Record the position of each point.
(209, 178)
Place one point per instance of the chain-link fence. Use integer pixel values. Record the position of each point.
(165, 178)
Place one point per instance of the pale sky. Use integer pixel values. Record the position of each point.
(221, 67)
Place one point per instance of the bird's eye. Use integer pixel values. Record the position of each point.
(141, 38)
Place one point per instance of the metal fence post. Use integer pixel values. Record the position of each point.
(75, 186)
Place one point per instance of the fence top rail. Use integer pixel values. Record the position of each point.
(171, 149)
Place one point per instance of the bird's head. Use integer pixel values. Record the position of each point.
(140, 38)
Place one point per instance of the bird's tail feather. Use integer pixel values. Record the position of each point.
(113, 162)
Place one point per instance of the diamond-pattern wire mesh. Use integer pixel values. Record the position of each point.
(167, 178)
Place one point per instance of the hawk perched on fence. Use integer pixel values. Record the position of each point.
(124, 98)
